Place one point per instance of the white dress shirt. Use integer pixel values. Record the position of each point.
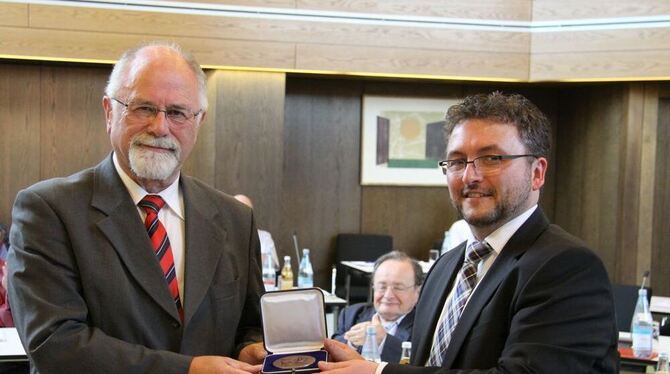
(171, 216)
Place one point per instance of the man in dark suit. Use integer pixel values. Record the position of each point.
(130, 266)
(522, 296)
(396, 281)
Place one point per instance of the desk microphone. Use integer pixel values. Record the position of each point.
(645, 276)
(295, 245)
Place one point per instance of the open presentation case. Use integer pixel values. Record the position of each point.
(294, 328)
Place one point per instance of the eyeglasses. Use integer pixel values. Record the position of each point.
(484, 164)
(145, 112)
(396, 288)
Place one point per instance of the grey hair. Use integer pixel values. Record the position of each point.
(124, 64)
(401, 256)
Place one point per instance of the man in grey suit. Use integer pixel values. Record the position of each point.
(523, 296)
(130, 266)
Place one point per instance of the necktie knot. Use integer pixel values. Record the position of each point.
(477, 251)
(152, 203)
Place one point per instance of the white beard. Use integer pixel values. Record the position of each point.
(147, 164)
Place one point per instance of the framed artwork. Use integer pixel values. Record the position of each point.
(402, 141)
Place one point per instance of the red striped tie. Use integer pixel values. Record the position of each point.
(161, 243)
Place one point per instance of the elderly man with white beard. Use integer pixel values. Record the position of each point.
(131, 266)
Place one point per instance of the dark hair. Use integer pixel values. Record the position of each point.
(514, 109)
(401, 256)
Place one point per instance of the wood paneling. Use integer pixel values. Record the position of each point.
(201, 163)
(660, 259)
(13, 14)
(73, 135)
(508, 10)
(416, 217)
(614, 65)
(56, 44)
(19, 132)
(381, 60)
(321, 173)
(249, 140)
(552, 10)
(273, 30)
(588, 162)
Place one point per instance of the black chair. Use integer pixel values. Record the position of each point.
(357, 247)
(625, 298)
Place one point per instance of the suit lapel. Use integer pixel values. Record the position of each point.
(500, 269)
(431, 301)
(205, 242)
(124, 230)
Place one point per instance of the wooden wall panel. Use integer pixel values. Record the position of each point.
(73, 133)
(273, 30)
(81, 45)
(624, 65)
(13, 14)
(202, 161)
(250, 141)
(508, 10)
(588, 142)
(19, 132)
(552, 10)
(660, 259)
(381, 60)
(416, 217)
(321, 191)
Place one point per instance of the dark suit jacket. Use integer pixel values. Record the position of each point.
(363, 312)
(88, 295)
(545, 306)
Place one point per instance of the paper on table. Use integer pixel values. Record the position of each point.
(10, 345)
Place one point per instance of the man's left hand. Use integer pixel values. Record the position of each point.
(253, 354)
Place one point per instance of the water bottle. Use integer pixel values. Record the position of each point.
(370, 350)
(286, 275)
(268, 272)
(305, 273)
(642, 327)
(406, 353)
(663, 366)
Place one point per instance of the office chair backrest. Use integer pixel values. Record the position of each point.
(362, 247)
(358, 247)
(625, 298)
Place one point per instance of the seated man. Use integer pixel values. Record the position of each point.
(397, 280)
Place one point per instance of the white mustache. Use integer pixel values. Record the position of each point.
(146, 139)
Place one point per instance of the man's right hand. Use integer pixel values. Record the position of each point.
(222, 365)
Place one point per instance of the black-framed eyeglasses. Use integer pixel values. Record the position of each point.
(396, 288)
(484, 164)
(143, 111)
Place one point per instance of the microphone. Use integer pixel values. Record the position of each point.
(645, 276)
(295, 245)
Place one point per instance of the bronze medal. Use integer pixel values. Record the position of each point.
(294, 362)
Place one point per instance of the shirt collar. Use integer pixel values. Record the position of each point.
(137, 193)
(499, 238)
(389, 324)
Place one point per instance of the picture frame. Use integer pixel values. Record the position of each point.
(402, 139)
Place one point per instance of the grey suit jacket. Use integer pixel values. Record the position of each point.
(544, 306)
(89, 296)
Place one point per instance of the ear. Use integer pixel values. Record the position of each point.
(539, 169)
(107, 108)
